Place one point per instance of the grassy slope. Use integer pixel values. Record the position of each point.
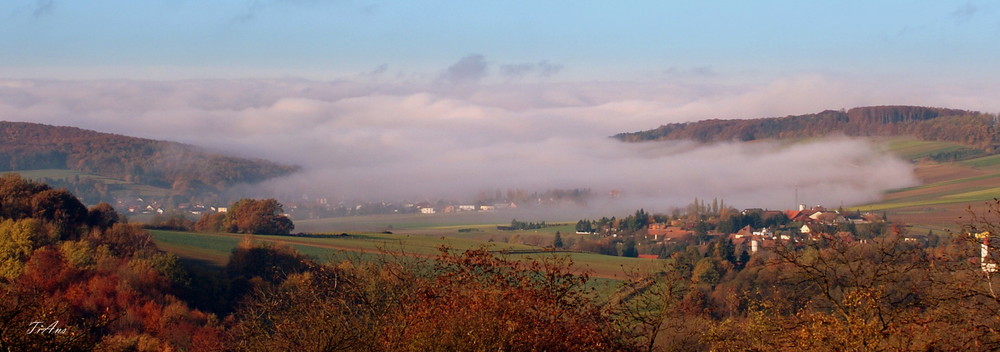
(128, 189)
(947, 189)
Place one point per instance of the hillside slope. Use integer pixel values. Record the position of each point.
(973, 129)
(181, 167)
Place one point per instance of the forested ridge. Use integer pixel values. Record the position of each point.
(27, 146)
(971, 128)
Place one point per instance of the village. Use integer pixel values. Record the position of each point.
(750, 230)
(792, 225)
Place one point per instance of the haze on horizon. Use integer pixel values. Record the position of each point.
(437, 100)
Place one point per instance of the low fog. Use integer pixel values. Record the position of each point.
(378, 139)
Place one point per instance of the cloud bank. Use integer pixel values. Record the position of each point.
(395, 141)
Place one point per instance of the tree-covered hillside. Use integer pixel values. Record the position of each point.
(971, 128)
(27, 146)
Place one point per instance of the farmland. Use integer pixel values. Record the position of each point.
(947, 189)
(120, 188)
(214, 248)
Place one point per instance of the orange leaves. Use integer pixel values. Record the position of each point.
(254, 216)
(474, 300)
(478, 300)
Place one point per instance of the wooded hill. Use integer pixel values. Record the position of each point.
(181, 167)
(975, 129)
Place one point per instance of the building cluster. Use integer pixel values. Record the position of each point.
(427, 208)
(802, 224)
(150, 206)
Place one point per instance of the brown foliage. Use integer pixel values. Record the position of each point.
(62, 209)
(211, 222)
(102, 216)
(481, 301)
(108, 291)
(254, 216)
(474, 300)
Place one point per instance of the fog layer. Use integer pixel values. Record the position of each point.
(362, 139)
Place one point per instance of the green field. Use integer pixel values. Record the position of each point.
(215, 248)
(125, 188)
(949, 188)
(910, 148)
(986, 162)
(392, 222)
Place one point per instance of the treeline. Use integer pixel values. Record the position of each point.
(522, 197)
(183, 168)
(971, 128)
(521, 225)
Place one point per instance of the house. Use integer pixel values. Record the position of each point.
(466, 207)
(792, 214)
(764, 232)
(487, 208)
(827, 217)
(665, 231)
(746, 231)
(427, 210)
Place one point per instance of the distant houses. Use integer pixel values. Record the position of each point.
(427, 208)
(664, 232)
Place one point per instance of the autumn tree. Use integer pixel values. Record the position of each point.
(16, 196)
(18, 239)
(102, 216)
(108, 290)
(211, 222)
(258, 217)
(476, 300)
(62, 209)
(327, 308)
(651, 306)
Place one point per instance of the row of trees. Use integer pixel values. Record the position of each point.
(521, 225)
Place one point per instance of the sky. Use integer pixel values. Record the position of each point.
(436, 99)
(578, 40)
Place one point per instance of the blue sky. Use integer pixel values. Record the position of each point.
(366, 94)
(583, 40)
